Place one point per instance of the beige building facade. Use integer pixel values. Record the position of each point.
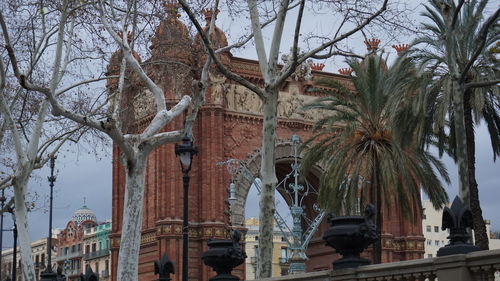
(281, 252)
(435, 237)
(38, 254)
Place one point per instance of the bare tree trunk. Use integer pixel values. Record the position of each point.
(269, 181)
(128, 257)
(480, 233)
(20, 213)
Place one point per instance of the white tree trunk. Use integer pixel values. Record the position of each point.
(20, 213)
(269, 181)
(128, 257)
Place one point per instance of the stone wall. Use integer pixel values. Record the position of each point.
(476, 266)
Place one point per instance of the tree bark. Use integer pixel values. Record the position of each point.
(457, 90)
(269, 181)
(128, 257)
(480, 233)
(377, 196)
(20, 213)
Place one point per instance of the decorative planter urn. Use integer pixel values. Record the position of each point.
(350, 235)
(223, 255)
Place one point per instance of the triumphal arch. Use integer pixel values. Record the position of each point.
(229, 125)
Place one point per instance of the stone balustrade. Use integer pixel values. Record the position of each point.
(475, 266)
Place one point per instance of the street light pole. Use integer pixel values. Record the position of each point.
(48, 274)
(14, 251)
(2, 202)
(185, 151)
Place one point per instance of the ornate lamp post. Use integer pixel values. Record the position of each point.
(296, 236)
(2, 202)
(185, 151)
(48, 274)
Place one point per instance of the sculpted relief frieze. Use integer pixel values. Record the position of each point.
(236, 134)
(241, 99)
(219, 88)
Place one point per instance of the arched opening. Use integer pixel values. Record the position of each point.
(245, 207)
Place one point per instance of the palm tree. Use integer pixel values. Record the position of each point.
(464, 72)
(369, 143)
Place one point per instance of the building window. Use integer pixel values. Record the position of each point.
(284, 253)
(100, 245)
(436, 228)
(429, 242)
(437, 242)
(79, 247)
(428, 228)
(93, 247)
(256, 238)
(73, 248)
(97, 267)
(87, 249)
(66, 250)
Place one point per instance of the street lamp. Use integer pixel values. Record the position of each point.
(2, 202)
(48, 274)
(185, 151)
(14, 251)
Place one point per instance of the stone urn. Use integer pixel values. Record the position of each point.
(350, 236)
(223, 255)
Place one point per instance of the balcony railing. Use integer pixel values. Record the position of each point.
(74, 272)
(69, 256)
(96, 254)
(476, 266)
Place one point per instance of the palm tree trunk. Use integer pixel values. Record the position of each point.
(377, 246)
(480, 234)
(461, 141)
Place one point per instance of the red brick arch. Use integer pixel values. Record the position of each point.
(284, 154)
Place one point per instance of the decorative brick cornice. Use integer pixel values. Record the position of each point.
(346, 71)
(317, 66)
(401, 48)
(372, 44)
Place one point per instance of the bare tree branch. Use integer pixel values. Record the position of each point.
(231, 75)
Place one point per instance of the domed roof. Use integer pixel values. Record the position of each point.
(219, 39)
(115, 62)
(171, 39)
(83, 214)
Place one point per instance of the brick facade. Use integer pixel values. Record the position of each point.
(228, 126)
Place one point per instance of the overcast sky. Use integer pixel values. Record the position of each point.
(80, 175)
